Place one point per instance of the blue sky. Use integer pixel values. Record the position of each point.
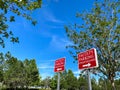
(46, 41)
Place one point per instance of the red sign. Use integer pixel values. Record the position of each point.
(59, 69)
(59, 65)
(88, 59)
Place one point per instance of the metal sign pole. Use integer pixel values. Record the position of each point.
(89, 80)
(58, 83)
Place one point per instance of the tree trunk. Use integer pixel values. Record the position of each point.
(113, 86)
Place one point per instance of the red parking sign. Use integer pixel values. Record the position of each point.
(59, 65)
(88, 59)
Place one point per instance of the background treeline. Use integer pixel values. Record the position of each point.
(15, 73)
(71, 82)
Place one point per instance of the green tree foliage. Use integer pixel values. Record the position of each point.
(94, 84)
(117, 83)
(3, 59)
(104, 84)
(1, 66)
(47, 83)
(67, 81)
(63, 81)
(15, 7)
(53, 82)
(101, 30)
(16, 73)
(82, 82)
(32, 74)
(71, 81)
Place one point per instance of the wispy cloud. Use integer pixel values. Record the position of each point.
(52, 18)
(49, 15)
(45, 67)
(59, 43)
(49, 64)
(47, 2)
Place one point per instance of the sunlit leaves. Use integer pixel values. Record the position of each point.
(18, 7)
(101, 31)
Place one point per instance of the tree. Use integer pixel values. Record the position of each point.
(63, 81)
(3, 59)
(101, 31)
(71, 81)
(14, 73)
(67, 81)
(117, 83)
(82, 82)
(15, 7)
(1, 66)
(94, 84)
(31, 73)
(104, 84)
(53, 82)
(47, 82)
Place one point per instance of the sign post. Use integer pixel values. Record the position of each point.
(59, 67)
(89, 80)
(58, 83)
(87, 60)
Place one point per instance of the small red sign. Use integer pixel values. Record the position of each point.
(59, 69)
(88, 59)
(59, 65)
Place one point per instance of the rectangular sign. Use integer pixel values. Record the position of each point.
(59, 65)
(59, 69)
(88, 59)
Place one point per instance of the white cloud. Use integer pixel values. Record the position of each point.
(49, 16)
(59, 43)
(45, 67)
